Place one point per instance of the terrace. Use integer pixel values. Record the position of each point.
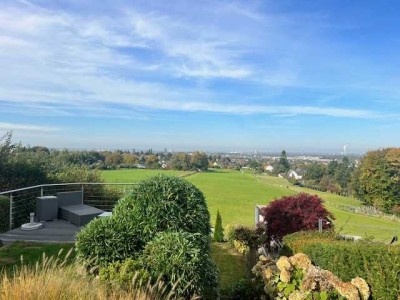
(75, 205)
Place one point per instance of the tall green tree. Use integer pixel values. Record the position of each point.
(283, 165)
(199, 161)
(315, 171)
(377, 180)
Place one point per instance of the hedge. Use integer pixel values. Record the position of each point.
(178, 259)
(378, 264)
(4, 213)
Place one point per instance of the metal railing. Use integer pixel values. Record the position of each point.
(101, 195)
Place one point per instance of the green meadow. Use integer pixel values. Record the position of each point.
(235, 195)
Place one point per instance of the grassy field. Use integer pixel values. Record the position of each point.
(10, 255)
(235, 195)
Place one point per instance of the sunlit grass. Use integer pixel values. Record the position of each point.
(235, 195)
(231, 264)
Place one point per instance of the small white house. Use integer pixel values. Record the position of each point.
(269, 168)
(293, 174)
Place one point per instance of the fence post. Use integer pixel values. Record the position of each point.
(11, 211)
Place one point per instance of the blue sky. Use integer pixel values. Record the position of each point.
(206, 75)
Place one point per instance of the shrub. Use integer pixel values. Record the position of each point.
(246, 289)
(4, 213)
(249, 236)
(176, 256)
(163, 225)
(125, 275)
(294, 213)
(161, 203)
(230, 233)
(165, 203)
(77, 173)
(296, 278)
(379, 264)
(106, 240)
(218, 230)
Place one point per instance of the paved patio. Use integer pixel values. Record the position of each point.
(58, 231)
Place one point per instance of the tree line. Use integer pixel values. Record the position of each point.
(375, 180)
(22, 166)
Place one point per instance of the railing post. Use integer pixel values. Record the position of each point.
(11, 211)
(41, 191)
(82, 192)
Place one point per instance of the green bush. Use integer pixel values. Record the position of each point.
(4, 213)
(246, 289)
(176, 257)
(165, 225)
(218, 230)
(249, 236)
(125, 275)
(378, 264)
(230, 233)
(106, 240)
(165, 203)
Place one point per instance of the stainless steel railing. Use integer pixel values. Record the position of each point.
(101, 195)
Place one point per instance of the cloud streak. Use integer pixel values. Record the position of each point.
(27, 127)
(142, 59)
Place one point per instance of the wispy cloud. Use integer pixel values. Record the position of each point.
(137, 59)
(27, 127)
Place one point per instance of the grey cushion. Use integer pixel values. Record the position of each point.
(69, 198)
(79, 214)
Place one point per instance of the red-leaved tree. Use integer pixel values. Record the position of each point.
(294, 213)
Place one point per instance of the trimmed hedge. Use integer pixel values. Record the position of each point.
(4, 213)
(177, 258)
(165, 203)
(377, 263)
(107, 240)
(125, 275)
(163, 225)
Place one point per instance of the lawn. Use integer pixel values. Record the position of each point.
(235, 195)
(10, 255)
(231, 265)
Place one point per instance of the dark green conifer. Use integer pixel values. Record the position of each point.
(218, 230)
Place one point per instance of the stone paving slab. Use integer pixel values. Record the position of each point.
(57, 231)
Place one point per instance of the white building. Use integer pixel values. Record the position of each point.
(293, 174)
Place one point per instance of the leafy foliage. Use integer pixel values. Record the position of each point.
(377, 181)
(249, 236)
(107, 240)
(176, 257)
(218, 230)
(4, 213)
(282, 165)
(246, 289)
(294, 213)
(183, 161)
(165, 225)
(336, 177)
(379, 264)
(165, 203)
(122, 275)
